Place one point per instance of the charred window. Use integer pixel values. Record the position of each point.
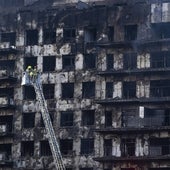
(9, 92)
(49, 63)
(51, 118)
(128, 147)
(88, 90)
(66, 146)
(161, 30)
(49, 36)
(129, 89)
(160, 88)
(160, 59)
(89, 61)
(6, 148)
(31, 37)
(68, 62)
(30, 61)
(86, 168)
(111, 33)
(48, 90)
(29, 93)
(87, 146)
(66, 118)
(130, 61)
(90, 35)
(7, 65)
(107, 147)
(69, 34)
(27, 148)
(67, 90)
(28, 120)
(130, 118)
(88, 117)
(9, 37)
(45, 148)
(156, 117)
(6, 124)
(127, 168)
(159, 146)
(109, 89)
(109, 61)
(108, 118)
(130, 32)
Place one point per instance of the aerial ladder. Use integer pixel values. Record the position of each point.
(32, 78)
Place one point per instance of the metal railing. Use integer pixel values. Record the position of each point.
(129, 121)
(131, 151)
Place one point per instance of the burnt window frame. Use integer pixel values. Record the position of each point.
(88, 117)
(88, 89)
(49, 63)
(130, 35)
(128, 147)
(109, 90)
(28, 120)
(87, 146)
(29, 93)
(51, 91)
(66, 118)
(129, 61)
(129, 89)
(165, 148)
(7, 148)
(68, 59)
(27, 148)
(159, 30)
(109, 61)
(160, 88)
(160, 59)
(90, 61)
(49, 36)
(91, 32)
(68, 147)
(45, 149)
(29, 36)
(64, 87)
(8, 121)
(8, 38)
(107, 147)
(108, 118)
(69, 34)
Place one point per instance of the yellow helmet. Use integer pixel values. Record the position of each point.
(29, 67)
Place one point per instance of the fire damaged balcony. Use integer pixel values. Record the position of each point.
(157, 150)
(143, 120)
(159, 64)
(159, 93)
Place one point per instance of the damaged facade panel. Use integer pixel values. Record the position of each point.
(105, 75)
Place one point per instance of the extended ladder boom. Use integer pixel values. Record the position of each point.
(47, 122)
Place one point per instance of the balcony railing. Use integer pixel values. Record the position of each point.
(146, 122)
(137, 71)
(128, 153)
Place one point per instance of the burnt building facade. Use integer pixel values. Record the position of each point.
(105, 69)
